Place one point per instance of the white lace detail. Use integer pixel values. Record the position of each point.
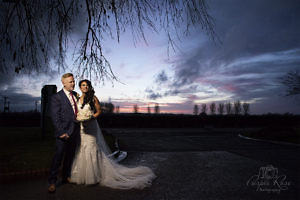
(92, 165)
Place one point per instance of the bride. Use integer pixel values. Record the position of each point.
(92, 163)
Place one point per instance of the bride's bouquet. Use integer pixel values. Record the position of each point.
(85, 115)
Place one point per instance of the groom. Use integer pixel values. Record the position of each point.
(63, 109)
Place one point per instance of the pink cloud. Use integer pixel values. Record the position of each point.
(192, 97)
(229, 87)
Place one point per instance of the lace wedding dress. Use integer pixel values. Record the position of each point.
(92, 163)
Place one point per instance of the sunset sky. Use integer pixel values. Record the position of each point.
(259, 43)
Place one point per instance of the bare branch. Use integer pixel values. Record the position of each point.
(34, 32)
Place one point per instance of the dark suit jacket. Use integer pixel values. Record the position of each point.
(62, 114)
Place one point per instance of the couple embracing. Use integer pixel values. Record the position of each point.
(80, 144)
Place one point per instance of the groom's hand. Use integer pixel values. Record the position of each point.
(65, 136)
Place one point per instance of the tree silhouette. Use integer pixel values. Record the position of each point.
(246, 108)
(149, 109)
(221, 108)
(135, 108)
(292, 81)
(196, 110)
(156, 108)
(203, 108)
(237, 107)
(212, 108)
(118, 109)
(228, 108)
(107, 107)
(32, 33)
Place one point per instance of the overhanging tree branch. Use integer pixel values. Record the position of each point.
(34, 32)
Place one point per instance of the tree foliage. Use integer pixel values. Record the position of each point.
(237, 107)
(135, 108)
(107, 107)
(34, 33)
(117, 109)
(221, 108)
(292, 81)
(196, 109)
(228, 107)
(156, 108)
(212, 108)
(203, 108)
(246, 108)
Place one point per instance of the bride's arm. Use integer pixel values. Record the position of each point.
(97, 106)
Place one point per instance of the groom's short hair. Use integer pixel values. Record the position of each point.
(66, 75)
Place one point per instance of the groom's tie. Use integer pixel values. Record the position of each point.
(75, 106)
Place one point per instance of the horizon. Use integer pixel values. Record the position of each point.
(144, 110)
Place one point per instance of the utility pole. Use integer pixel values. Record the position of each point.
(6, 105)
(36, 104)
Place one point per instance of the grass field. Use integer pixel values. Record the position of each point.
(280, 134)
(22, 149)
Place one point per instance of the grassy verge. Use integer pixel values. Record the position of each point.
(22, 149)
(280, 134)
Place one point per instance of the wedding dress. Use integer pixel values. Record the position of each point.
(92, 163)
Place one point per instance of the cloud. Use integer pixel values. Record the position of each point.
(152, 95)
(260, 43)
(161, 77)
(24, 90)
(19, 101)
(255, 27)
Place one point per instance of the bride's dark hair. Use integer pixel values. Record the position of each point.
(89, 96)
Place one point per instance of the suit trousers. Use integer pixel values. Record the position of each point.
(65, 151)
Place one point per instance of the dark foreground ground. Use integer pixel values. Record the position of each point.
(190, 164)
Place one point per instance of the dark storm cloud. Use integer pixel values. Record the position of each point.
(6, 79)
(161, 77)
(18, 101)
(152, 95)
(255, 27)
(16, 88)
(260, 43)
(155, 94)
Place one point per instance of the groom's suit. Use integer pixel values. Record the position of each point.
(63, 118)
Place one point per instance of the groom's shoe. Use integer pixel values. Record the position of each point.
(67, 180)
(51, 188)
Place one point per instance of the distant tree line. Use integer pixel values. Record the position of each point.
(236, 108)
(108, 107)
(229, 108)
(156, 109)
(111, 108)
